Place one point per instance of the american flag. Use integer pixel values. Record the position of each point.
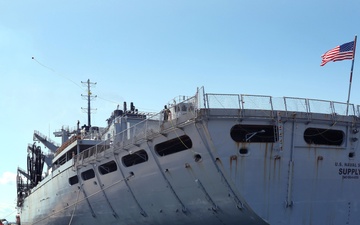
(341, 52)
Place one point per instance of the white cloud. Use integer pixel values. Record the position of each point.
(8, 178)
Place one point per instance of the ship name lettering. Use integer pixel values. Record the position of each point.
(348, 171)
(350, 164)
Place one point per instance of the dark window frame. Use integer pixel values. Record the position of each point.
(88, 174)
(321, 136)
(108, 167)
(254, 133)
(73, 180)
(135, 158)
(174, 145)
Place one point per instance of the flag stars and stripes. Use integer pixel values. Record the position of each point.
(342, 52)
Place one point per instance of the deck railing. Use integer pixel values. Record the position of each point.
(288, 104)
(153, 125)
(144, 130)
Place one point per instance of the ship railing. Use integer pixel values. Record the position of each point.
(46, 138)
(62, 160)
(181, 113)
(158, 123)
(93, 152)
(272, 104)
(67, 143)
(69, 129)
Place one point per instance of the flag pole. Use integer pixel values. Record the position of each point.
(351, 73)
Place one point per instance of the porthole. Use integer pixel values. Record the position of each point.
(243, 151)
(197, 157)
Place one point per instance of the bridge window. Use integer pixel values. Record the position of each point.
(174, 145)
(320, 136)
(107, 167)
(253, 133)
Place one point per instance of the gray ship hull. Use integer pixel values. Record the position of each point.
(239, 164)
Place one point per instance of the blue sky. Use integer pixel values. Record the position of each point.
(149, 52)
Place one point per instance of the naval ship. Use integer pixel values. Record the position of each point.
(209, 159)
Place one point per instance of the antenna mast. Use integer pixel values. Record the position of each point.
(88, 97)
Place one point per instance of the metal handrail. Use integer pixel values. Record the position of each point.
(287, 104)
(141, 131)
(151, 126)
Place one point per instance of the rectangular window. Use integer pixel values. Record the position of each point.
(88, 174)
(107, 167)
(73, 180)
(135, 158)
(173, 146)
(254, 133)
